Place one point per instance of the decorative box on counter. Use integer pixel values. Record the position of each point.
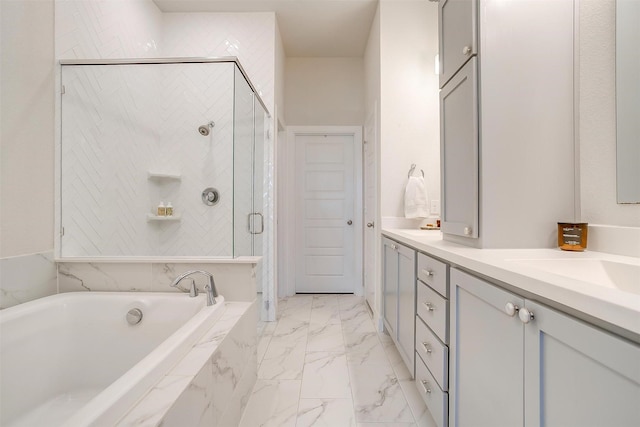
(572, 236)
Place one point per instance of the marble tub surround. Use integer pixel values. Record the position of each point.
(212, 383)
(27, 277)
(611, 308)
(234, 280)
(339, 370)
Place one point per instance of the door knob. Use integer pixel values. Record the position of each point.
(370, 224)
(349, 222)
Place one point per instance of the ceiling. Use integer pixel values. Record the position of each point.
(309, 28)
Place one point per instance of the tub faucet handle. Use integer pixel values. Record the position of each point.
(193, 291)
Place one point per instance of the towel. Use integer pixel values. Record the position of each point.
(415, 198)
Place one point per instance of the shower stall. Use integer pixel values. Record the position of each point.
(138, 135)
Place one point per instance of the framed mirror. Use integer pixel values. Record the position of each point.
(628, 101)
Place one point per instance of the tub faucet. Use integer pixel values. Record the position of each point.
(212, 293)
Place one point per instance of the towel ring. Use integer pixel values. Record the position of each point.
(413, 168)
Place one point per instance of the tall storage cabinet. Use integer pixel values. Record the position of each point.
(507, 120)
(398, 302)
(516, 362)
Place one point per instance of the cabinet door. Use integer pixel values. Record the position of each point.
(578, 375)
(390, 285)
(487, 355)
(458, 35)
(459, 153)
(406, 305)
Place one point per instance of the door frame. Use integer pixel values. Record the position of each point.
(288, 238)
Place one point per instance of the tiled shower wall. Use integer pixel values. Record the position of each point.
(121, 122)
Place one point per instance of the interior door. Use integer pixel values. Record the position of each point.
(325, 213)
(369, 170)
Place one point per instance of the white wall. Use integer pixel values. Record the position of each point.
(597, 125)
(26, 126)
(409, 99)
(324, 91)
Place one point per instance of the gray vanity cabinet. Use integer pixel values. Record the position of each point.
(516, 362)
(398, 304)
(459, 152)
(458, 35)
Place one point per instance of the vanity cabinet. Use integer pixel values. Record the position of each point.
(506, 108)
(398, 302)
(432, 336)
(516, 362)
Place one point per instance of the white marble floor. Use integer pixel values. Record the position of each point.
(323, 364)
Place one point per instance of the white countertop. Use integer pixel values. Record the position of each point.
(615, 307)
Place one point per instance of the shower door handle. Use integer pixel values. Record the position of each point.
(250, 223)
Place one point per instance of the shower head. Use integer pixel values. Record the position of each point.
(204, 129)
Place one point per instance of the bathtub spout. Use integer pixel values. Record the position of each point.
(212, 293)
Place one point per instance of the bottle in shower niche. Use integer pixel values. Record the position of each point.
(162, 210)
(168, 209)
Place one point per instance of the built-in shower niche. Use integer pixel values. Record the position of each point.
(134, 135)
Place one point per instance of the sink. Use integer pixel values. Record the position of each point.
(611, 274)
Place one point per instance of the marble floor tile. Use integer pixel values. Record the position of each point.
(346, 372)
(283, 360)
(325, 413)
(272, 404)
(377, 395)
(325, 376)
(325, 337)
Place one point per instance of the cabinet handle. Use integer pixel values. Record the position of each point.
(466, 50)
(426, 347)
(429, 306)
(511, 309)
(525, 315)
(425, 385)
(428, 273)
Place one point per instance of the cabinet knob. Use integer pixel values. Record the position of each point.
(394, 247)
(467, 231)
(466, 50)
(425, 386)
(429, 306)
(525, 315)
(426, 347)
(370, 224)
(349, 222)
(511, 309)
(428, 273)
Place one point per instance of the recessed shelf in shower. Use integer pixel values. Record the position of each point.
(162, 176)
(152, 217)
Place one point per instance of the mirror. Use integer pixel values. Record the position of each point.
(628, 101)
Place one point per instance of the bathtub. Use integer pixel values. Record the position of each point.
(73, 359)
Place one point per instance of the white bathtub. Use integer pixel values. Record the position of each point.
(73, 359)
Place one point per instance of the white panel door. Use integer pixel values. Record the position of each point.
(325, 213)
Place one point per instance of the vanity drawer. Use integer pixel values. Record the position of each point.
(436, 400)
(434, 354)
(434, 310)
(434, 273)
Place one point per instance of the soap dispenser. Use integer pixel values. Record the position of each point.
(162, 211)
(168, 209)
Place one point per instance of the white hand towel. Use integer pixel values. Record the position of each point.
(415, 198)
